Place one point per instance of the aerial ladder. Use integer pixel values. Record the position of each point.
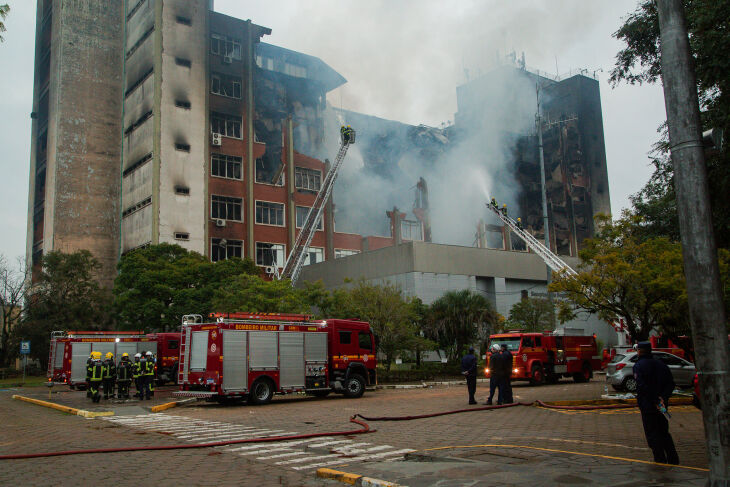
(551, 259)
(295, 261)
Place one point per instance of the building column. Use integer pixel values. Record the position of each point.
(290, 204)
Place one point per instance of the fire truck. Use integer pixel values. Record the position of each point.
(548, 356)
(69, 351)
(253, 356)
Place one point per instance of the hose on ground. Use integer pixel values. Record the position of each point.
(365, 429)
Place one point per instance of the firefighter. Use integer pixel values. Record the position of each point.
(95, 376)
(88, 373)
(148, 374)
(506, 357)
(469, 370)
(504, 209)
(519, 223)
(137, 374)
(124, 377)
(109, 375)
(494, 202)
(496, 374)
(654, 385)
(346, 133)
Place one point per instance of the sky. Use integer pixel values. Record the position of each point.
(403, 60)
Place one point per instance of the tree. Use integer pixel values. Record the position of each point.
(12, 291)
(4, 11)
(251, 293)
(66, 296)
(708, 22)
(456, 318)
(159, 284)
(532, 315)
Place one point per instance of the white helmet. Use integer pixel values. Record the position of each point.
(496, 347)
(149, 354)
(137, 355)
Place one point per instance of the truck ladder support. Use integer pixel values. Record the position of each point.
(295, 261)
(551, 259)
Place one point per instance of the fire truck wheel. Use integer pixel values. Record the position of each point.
(354, 386)
(262, 391)
(584, 375)
(630, 384)
(537, 376)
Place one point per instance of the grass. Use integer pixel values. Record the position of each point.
(30, 381)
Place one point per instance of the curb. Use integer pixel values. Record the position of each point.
(173, 404)
(424, 385)
(353, 479)
(65, 409)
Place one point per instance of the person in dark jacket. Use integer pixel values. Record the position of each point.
(654, 385)
(469, 370)
(109, 374)
(124, 377)
(506, 382)
(496, 374)
(95, 376)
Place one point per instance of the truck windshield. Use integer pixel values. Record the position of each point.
(513, 344)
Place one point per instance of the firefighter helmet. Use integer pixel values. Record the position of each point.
(96, 355)
(109, 355)
(496, 347)
(137, 356)
(148, 353)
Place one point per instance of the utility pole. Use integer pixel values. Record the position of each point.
(699, 251)
(543, 188)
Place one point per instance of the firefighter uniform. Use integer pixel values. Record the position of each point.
(494, 202)
(95, 372)
(496, 375)
(137, 374)
(469, 370)
(88, 371)
(124, 377)
(507, 361)
(148, 374)
(109, 375)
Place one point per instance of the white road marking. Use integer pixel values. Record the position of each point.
(281, 455)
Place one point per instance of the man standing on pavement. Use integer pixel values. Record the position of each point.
(109, 372)
(654, 385)
(124, 377)
(506, 383)
(496, 372)
(469, 370)
(137, 375)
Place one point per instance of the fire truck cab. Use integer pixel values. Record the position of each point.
(168, 353)
(255, 355)
(546, 357)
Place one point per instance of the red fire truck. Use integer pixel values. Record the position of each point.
(237, 355)
(69, 351)
(548, 356)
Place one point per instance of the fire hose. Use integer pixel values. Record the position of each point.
(365, 429)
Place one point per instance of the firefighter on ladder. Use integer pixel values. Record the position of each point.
(504, 209)
(494, 202)
(346, 133)
(109, 375)
(95, 374)
(519, 223)
(137, 374)
(148, 374)
(124, 377)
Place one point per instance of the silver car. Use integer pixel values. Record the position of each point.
(620, 372)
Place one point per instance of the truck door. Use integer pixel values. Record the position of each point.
(348, 349)
(79, 354)
(291, 358)
(235, 359)
(365, 342)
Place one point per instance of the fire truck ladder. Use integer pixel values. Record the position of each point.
(551, 259)
(295, 261)
(55, 335)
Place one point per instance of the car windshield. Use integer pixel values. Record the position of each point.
(513, 344)
(618, 358)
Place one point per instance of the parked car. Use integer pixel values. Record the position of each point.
(620, 371)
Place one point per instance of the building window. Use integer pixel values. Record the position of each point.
(182, 236)
(223, 85)
(182, 190)
(269, 254)
(265, 63)
(261, 174)
(295, 70)
(345, 252)
(226, 208)
(313, 255)
(268, 213)
(302, 212)
(183, 62)
(411, 230)
(183, 20)
(225, 46)
(222, 249)
(226, 125)
(225, 166)
(310, 179)
(182, 104)
(182, 147)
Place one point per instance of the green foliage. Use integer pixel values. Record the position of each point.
(252, 293)
(708, 23)
(66, 296)
(4, 11)
(458, 318)
(157, 285)
(13, 280)
(532, 315)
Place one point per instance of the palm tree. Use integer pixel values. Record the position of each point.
(4, 9)
(455, 320)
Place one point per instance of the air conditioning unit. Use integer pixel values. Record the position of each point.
(216, 140)
(227, 59)
(220, 222)
(270, 269)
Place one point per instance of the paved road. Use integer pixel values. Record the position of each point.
(618, 433)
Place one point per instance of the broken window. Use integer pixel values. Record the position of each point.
(313, 255)
(345, 252)
(411, 230)
(302, 212)
(226, 125)
(225, 166)
(265, 176)
(269, 254)
(268, 213)
(225, 46)
(310, 179)
(222, 249)
(223, 85)
(225, 208)
(182, 236)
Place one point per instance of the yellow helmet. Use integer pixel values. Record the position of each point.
(96, 355)
(519, 219)
(109, 355)
(504, 205)
(125, 354)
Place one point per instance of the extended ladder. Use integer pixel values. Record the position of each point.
(295, 261)
(551, 259)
